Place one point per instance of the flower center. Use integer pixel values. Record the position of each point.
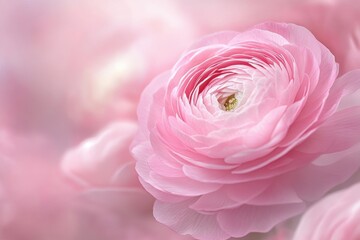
(230, 102)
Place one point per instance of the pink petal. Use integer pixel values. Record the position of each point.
(279, 192)
(214, 39)
(215, 201)
(295, 34)
(339, 132)
(261, 36)
(313, 181)
(343, 86)
(241, 221)
(187, 221)
(243, 192)
(146, 111)
(183, 186)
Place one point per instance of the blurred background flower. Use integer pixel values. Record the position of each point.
(71, 73)
(335, 217)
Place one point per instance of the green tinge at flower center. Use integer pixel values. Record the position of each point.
(230, 102)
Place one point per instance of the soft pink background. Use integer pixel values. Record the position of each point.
(71, 73)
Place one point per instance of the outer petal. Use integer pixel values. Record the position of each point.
(146, 112)
(215, 39)
(338, 133)
(341, 130)
(187, 221)
(240, 221)
(314, 180)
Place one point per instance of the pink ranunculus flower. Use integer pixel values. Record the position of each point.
(335, 217)
(243, 131)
